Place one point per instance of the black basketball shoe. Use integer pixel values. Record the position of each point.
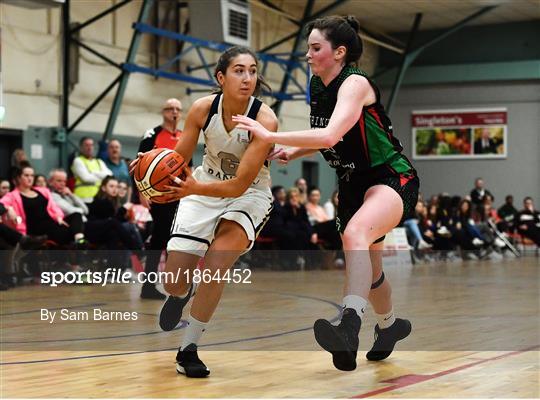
(189, 364)
(386, 339)
(149, 292)
(341, 340)
(171, 312)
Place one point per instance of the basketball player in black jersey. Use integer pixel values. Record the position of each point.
(378, 187)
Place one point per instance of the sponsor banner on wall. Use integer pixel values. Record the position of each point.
(459, 134)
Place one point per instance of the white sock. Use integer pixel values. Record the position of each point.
(194, 331)
(386, 320)
(79, 236)
(357, 303)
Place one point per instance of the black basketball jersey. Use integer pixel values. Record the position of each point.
(370, 143)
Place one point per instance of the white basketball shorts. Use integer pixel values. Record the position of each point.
(197, 218)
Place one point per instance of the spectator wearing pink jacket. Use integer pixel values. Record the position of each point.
(36, 213)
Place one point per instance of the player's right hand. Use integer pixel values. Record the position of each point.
(279, 154)
(133, 164)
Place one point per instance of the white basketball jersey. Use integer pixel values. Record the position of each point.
(224, 150)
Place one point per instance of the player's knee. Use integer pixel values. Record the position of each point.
(356, 238)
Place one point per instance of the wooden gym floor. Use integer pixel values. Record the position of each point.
(475, 334)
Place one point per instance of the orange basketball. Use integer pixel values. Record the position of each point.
(153, 170)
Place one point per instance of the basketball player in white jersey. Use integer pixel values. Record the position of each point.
(225, 202)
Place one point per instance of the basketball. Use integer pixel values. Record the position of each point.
(153, 170)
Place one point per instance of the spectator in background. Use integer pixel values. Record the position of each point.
(433, 201)
(528, 221)
(465, 232)
(108, 222)
(508, 214)
(421, 211)
(88, 171)
(301, 185)
(123, 192)
(412, 227)
(62, 195)
(331, 205)
(19, 159)
(40, 181)
(10, 241)
(316, 214)
(275, 226)
(323, 226)
(116, 164)
(479, 193)
(489, 219)
(36, 213)
(19, 156)
(4, 187)
(440, 223)
(298, 233)
(280, 196)
(75, 210)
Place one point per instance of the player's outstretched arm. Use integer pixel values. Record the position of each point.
(352, 96)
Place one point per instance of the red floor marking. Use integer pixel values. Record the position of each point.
(408, 380)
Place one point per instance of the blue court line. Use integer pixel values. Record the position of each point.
(249, 339)
(182, 325)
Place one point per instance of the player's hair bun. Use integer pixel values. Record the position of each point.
(353, 22)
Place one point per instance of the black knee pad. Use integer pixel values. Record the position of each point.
(379, 240)
(379, 282)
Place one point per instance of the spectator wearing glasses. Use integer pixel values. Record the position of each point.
(165, 135)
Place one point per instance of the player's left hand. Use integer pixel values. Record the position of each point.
(253, 126)
(133, 164)
(182, 187)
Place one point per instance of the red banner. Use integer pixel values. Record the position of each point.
(435, 119)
